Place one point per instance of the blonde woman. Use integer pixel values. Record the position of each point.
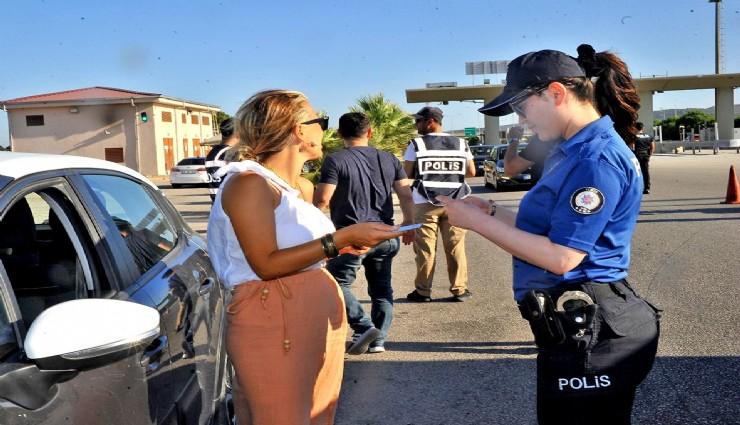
(286, 323)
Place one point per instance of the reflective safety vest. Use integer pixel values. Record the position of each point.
(441, 162)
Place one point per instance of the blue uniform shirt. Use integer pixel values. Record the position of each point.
(588, 199)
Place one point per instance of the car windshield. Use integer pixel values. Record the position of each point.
(502, 152)
(480, 150)
(193, 161)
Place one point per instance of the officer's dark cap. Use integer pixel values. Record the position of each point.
(428, 112)
(528, 70)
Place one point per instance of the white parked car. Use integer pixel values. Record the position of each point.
(190, 171)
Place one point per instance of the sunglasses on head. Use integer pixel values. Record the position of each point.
(322, 121)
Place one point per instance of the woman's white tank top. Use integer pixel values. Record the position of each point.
(296, 222)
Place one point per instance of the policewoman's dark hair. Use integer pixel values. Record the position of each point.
(615, 93)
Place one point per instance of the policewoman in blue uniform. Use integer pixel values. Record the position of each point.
(596, 337)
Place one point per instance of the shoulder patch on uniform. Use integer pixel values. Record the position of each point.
(587, 200)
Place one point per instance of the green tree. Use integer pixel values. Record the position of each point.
(695, 120)
(670, 128)
(473, 140)
(392, 126)
(691, 120)
(330, 141)
(219, 116)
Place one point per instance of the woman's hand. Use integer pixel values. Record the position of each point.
(466, 212)
(365, 235)
(354, 250)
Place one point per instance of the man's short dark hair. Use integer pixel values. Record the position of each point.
(227, 128)
(639, 126)
(353, 125)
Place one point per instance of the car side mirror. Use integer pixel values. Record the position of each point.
(86, 333)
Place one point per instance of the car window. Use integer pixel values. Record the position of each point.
(7, 333)
(192, 161)
(43, 254)
(145, 229)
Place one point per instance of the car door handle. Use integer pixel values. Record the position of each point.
(153, 353)
(207, 286)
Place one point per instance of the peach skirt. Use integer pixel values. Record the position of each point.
(286, 341)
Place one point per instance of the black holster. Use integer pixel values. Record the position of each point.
(551, 327)
(537, 308)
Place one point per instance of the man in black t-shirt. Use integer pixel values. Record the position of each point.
(533, 155)
(216, 157)
(357, 183)
(644, 148)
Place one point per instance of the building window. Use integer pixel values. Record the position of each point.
(114, 154)
(194, 119)
(205, 121)
(166, 116)
(184, 120)
(34, 120)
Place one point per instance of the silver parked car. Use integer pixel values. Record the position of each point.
(110, 310)
(493, 171)
(190, 171)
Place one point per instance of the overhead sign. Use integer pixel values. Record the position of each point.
(470, 131)
(437, 85)
(486, 67)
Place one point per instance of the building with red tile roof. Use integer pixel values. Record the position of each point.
(148, 132)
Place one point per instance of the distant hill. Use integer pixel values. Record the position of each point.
(665, 113)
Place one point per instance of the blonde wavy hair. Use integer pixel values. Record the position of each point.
(265, 122)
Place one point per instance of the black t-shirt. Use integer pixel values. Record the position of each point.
(643, 143)
(211, 158)
(364, 177)
(536, 151)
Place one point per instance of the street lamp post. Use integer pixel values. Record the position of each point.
(717, 53)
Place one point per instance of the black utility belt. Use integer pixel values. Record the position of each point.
(557, 315)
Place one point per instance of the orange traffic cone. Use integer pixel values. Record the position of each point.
(733, 188)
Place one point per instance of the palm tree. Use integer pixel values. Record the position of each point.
(392, 126)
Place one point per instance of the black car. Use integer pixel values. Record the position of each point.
(480, 154)
(110, 310)
(493, 171)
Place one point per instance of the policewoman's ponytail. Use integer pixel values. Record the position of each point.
(614, 91)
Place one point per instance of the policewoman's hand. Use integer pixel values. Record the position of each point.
(466, 212)
(409, 235)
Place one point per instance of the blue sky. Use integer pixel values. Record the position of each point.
(220, 52)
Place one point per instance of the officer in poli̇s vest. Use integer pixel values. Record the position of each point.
(438, 163)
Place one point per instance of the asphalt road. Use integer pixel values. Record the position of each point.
(473, 362)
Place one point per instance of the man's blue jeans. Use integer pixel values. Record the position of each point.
(377, 262)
